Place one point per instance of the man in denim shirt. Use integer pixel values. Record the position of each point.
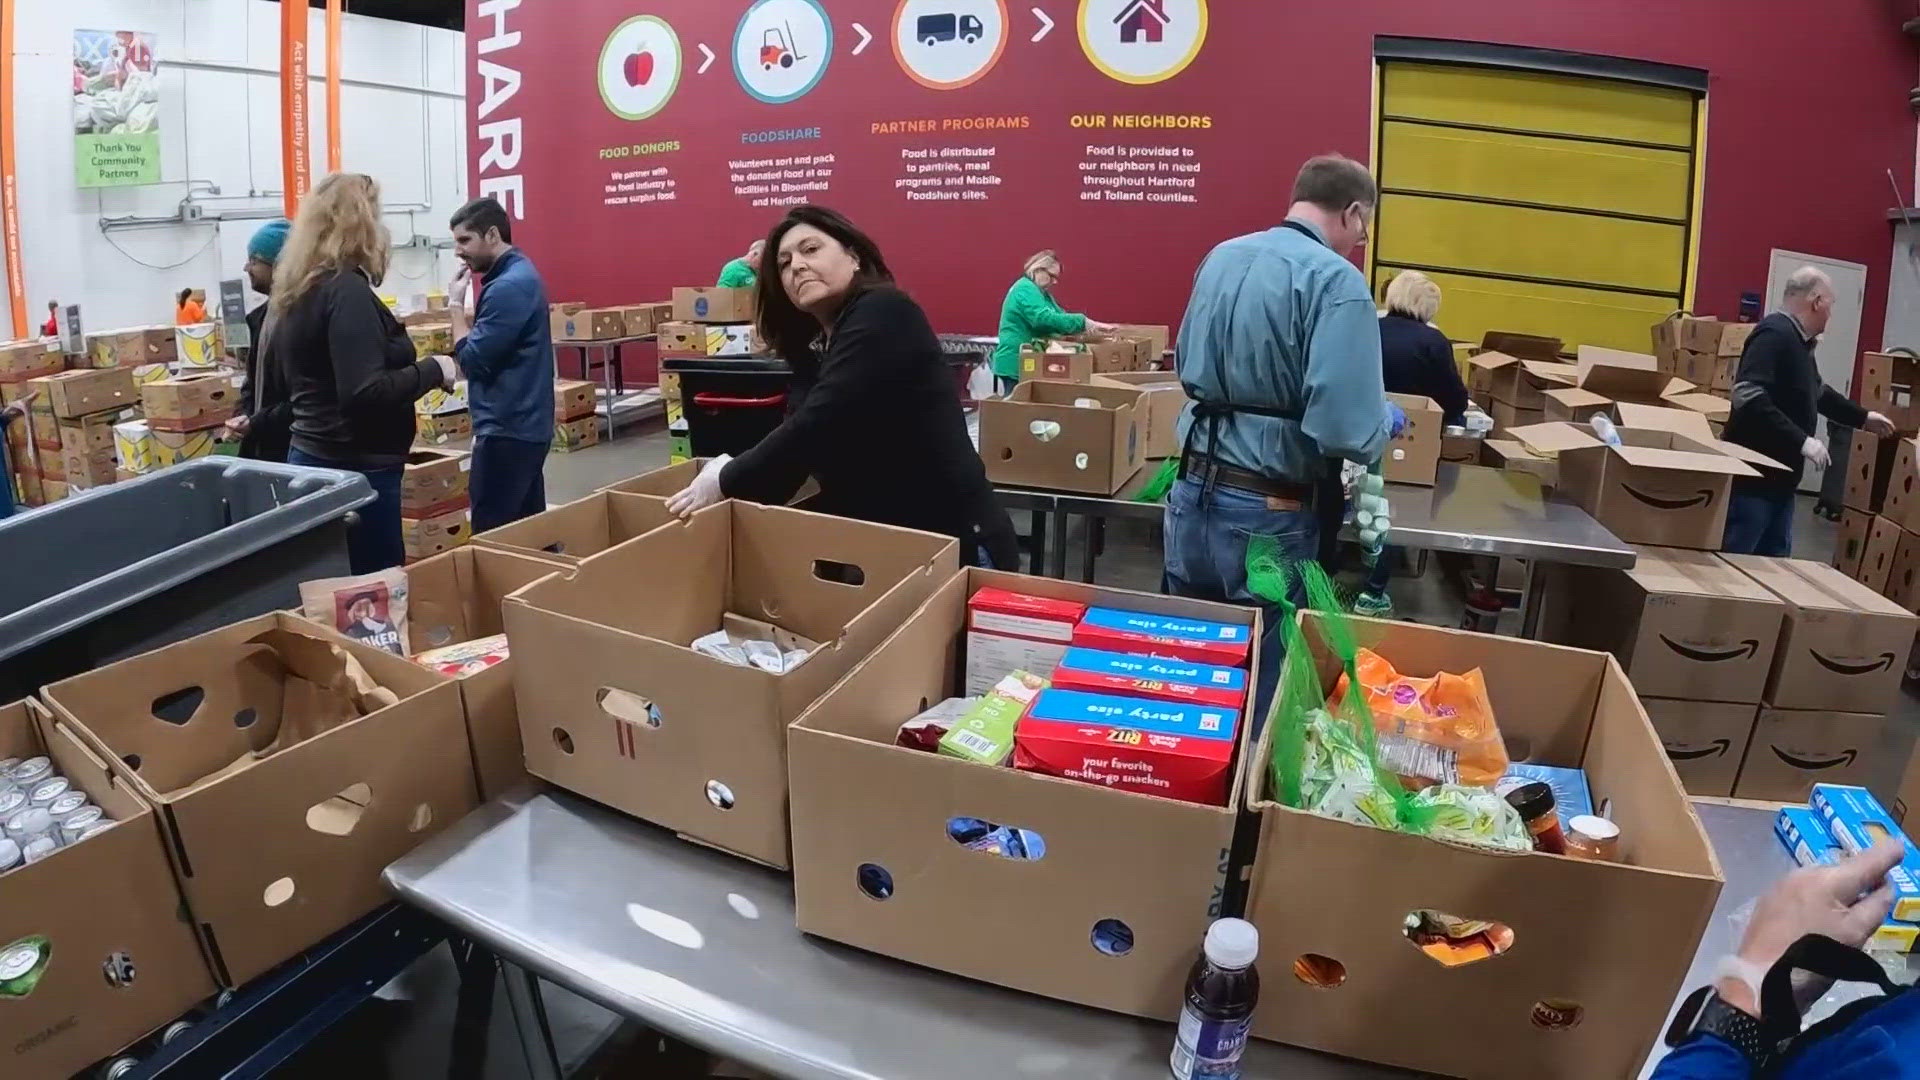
(1280, 354)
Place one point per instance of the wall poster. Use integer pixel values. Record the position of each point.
(116, 108)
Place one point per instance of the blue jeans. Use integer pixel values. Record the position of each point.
(508, 481)
(1206, 558)
(373, 542)
(1759, 523)
(1382, 570)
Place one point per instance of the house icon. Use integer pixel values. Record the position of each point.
(1142, 20)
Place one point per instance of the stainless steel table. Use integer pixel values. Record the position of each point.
(702, 947)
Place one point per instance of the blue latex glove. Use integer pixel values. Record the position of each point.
(1396, 420)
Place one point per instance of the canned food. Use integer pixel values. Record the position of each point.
(175, 1030)
(96, 828)
(74, 826)
(118, 1067)
(39, 848)
(12, 801)
(7, 765)
(9, 855)
(21, 964)
(66, 804)
(43, 793)
(29, 824)
(32, 771)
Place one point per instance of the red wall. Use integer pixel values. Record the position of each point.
(1805, 116)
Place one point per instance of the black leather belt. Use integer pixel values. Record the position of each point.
(1198, 466)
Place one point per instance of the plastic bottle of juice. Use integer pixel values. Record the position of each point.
(1221, 993)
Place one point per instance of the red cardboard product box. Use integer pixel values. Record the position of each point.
(1130, 675)
(1176, 751)
(1010, 631)
(1158, 635)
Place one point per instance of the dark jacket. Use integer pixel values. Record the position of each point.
(507, 355)
(1777, 395)
(877, 422)
(1417, 359)
(351, 374)
(263, 398)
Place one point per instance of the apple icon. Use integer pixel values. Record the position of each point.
(639, 68)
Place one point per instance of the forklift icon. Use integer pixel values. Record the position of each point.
(776, 47)
(933, 29)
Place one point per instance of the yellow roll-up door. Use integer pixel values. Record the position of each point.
(1540, 202)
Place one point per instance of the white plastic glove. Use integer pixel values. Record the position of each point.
(1879, 424)
(449, 371)
(703, 492)
(1816, 451)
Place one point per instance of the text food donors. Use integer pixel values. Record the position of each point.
(874, 415)
(1030, 313)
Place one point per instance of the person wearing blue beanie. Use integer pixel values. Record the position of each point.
(263, 424)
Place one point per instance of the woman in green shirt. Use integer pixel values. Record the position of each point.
(743, 272)
(1031, 313)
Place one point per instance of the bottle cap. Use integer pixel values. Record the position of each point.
(1532, 800)
(1594, 827)
(1232, 943)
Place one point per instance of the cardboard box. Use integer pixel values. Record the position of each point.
(23, 360)
(1903, 580)
(1521, 383)
(1705, 740)
(84, 470)
(73, 394)
(87, 435)
(1158, 338)
(573, 399)
(567, 534)
(874, 864)
(52, 489)
(1461, 449)
(1414, 456)
(1060, 363)
(730, 339)
(1716, 410)
(1843, 646)
(670, 480)
(1657, 488)
(1524, 346)
(1888, 383)
(1792, 750)
(148, 373)
(1704, 369)
(437, 402)
(1508, 417)
(1163, 399)
(1870, 465)
(174, 447)
(199, 346)
(118, 958)
(681, 339)
(189, 402)
(443, 429)
(424, 537)
(454, 597)
(1573, 405)
(1908, 797)
(434, 482)
(1037, 436)
(572, 435)
(643, 319)
(276, 853)
(1876, 560)
(712, 304)
(133, 447)
(590, 324)
(1684, 624)
(1901, 501)
(617, 707)
(1516, 456)
(1120, 354)
(1621, 376)
(1340, 890)
(1851, 541)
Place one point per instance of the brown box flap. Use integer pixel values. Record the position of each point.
(1813, 585)
(1694, 573)
(1552, 438)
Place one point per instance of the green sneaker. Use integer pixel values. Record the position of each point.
(1373, 605)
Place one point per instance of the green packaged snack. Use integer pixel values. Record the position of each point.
(1474, 815)
(984, 733)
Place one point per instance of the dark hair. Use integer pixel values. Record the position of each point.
(181, 300)
(482, 214)
(1333, 182)
(370, 597)
(785, 327)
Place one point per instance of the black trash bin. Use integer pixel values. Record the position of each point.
(730, 404)
(124, 569)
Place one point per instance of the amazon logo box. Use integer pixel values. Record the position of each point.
(1794, 749)
(1684, 624)
(1666, 483)
(1705, 740)
(1843, 647)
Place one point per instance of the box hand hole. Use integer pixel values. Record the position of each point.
(178, 706)
(1008, 842)
(839, 573)
(1321, 972)
(339, 815)
(1455, 941)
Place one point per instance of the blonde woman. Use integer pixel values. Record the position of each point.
(349, 366)
(1031, 313)
(1415, 357)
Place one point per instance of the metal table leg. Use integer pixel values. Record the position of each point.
(1037, 544)
(1530, 600)
(530, 1017)
(1057, 557)
(606, 380)
(473, 1012)
(1096, 537)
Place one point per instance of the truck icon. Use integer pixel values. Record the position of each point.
(933, 29)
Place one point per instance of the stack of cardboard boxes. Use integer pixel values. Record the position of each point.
(433, 503)
(83, 405)
(708, 322)
(182, 415)
(576, 425)
(575, 323)
(21, 362)
(1879, 542)
(1704, 352)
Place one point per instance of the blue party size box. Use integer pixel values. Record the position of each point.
(1164, 635)
(1163, 679)
(1857, 820)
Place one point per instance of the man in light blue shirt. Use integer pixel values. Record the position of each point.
(1280, 354)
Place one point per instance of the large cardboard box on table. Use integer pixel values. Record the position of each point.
(1157, 337)
(82, 392)
(875, 865)
(681, 339)
(1521, 384)
(1843, 646)
(617, 706)
(1413, 457)
(189, 402)
(283, 789)
(1705, 740)
(1040, 436)
(643, 319)
(664, 481)
(1163, 399)
(1573, 405)
(1683, 624)
(1121, 353)
(453, 598)
(1656, 488)
(1876, 558)
(566, 534)
(1794, 749)
(1060, 363)
(589, 324)
(1508, 417)
(1870, 466)
(1890, 385)
(1608, 943)
(713, 304)
(433, 482)
(1524, 346)
(117, 957)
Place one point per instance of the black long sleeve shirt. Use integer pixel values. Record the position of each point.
(351, 374)
(1777, 400)
(1417, 359)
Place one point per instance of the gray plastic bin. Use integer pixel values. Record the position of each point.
(124, 569)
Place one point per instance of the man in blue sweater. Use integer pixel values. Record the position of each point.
(505, 349)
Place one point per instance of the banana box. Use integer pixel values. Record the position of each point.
(151, 373)
(199, 346)
(574, 435)
(443, 427)
(134, 448)
(729, 339)
(174, 447)
(438, 402)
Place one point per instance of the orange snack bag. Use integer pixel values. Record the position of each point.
(1437, 730)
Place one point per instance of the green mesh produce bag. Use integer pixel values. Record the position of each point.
(1162, 482)
(1323, 759)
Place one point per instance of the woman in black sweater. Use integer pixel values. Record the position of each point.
(348, 365)
(1416, 358)
(875, 416)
